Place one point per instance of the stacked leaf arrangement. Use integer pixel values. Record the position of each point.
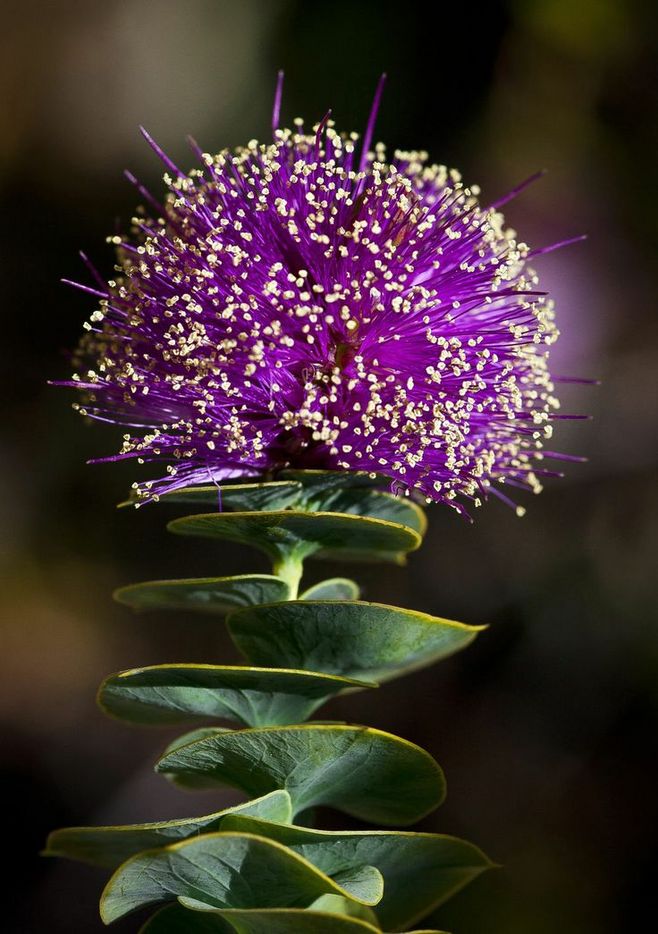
(259, 868)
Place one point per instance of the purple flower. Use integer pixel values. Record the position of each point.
(307, 303)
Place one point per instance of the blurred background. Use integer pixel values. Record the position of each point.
(547, 726)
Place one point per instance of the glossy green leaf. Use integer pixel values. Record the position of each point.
(202, 732)
(176, 919)
(420, 870)
(179, 920)
(301, 534)
(377, 505)
(319, 483)
(163, 694)
(328, 491)
(320, 912)
(338, 905)
(276, 494)
(358, 493)
(335, 588)
(111, 846)
(327, 906)
(221, 870)
(366, 773)
(364, 883)
(368, 641)
(217, 595)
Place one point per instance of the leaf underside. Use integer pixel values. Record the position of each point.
(111, 846)
(166, 694)
(227, 870)
(369, 774)
(176, 919)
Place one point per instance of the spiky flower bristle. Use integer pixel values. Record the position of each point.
(289, 305)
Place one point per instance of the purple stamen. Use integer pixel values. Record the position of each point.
(320, 130)
(275, 312)
(519, 188)
(144, 192)
(164, 158)
(278, 94)
(542, 251)
(370, 127)
(84, 288)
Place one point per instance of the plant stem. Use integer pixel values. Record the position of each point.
(289, 569)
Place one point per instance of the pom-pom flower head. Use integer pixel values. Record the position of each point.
(307, 303)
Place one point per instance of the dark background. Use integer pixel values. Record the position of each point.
(546, 727)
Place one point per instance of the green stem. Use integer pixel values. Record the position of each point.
(289, 568)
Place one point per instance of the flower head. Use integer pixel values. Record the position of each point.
(308, 303)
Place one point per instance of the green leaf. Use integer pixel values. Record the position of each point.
(366, 773)
(319, 483)
(369, 641)
(337, 905)
(111, 846)
(178, 920)
(363, 882)
(335, 588)
(283, 535)
(164, 694)
(175, 919)
(376, 505)
(277, 494)
(420, 870)
(200, 733)
(222, 870)
(359, 493)
(218, 595)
